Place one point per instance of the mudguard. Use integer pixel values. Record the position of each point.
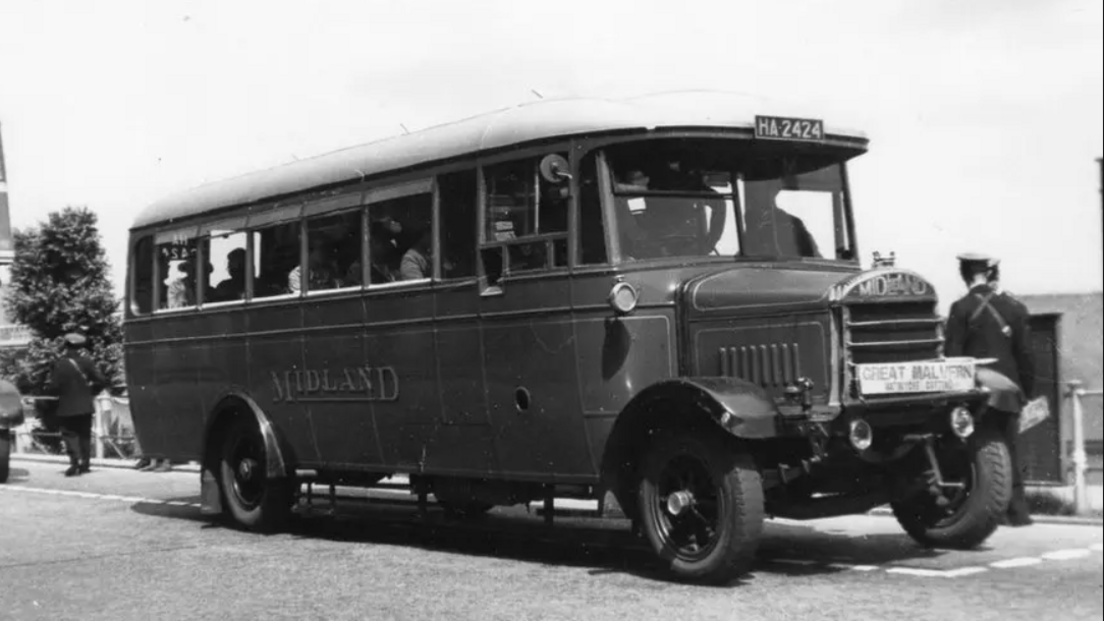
(743, 409)
(1004, 394)
(275, 464)
(740, 408)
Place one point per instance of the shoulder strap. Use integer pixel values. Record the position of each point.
(79, 370)
(986, 306)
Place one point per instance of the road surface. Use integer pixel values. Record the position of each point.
(120, 544)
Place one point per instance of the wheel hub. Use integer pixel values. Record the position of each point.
(679, 501)
(246, 469)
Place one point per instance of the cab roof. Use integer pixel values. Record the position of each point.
(524, 123)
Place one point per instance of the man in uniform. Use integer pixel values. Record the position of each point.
(989, 323)
(75, 381)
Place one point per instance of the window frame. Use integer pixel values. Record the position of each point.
(483, 244)
(268, 217)
(395, 191)
(190, 232)
(132, 285)
(238, 225)
(470, 166)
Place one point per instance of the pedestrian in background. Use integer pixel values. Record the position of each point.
(990, 323)
(75, 381)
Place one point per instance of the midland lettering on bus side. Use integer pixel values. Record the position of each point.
(366, 384)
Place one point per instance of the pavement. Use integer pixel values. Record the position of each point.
(118, 544)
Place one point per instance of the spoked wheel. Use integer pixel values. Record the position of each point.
(701, 507)
(970, 513)
(254, 501)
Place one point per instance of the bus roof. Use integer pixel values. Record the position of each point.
(524, 123)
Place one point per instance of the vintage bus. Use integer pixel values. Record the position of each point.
(656, 300)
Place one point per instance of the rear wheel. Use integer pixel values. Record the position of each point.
(5, 454)
(972, 513)
(701, 507)
(254, 501)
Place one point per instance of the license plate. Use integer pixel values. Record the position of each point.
(916, 377)
(788, 128)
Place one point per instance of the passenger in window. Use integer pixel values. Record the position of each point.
(382, 254)
(182, 291)
(415, 262)
(320, 275)
(794, 238)
(633, 180)
(232, 288)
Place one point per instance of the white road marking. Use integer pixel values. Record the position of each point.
(964, 571)
(90, 495)
(1023, 561)
(1098, 547)
(865, 568)
(1065, 555)
(912, 571)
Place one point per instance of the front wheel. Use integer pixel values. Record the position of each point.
(254, 501)
(972, 513)
(701, 507)
(5, 454)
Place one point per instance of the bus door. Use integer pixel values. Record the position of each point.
(529, 347)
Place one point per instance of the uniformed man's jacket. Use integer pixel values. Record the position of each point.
(976, 331)
(75, 388)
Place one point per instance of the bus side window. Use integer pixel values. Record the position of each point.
(592, 237)
(176, 263)
(226, 254)
(275, 255)
(142, 266)
(400, 239)
(521, 205)
(457, 192)
(333, 253)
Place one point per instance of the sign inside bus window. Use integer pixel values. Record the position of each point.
(346, 384)
(786, 128)
(178, 251)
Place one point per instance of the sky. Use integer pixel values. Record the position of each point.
(984, 116)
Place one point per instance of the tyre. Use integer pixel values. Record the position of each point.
(973, 512)
(701, 507)
(253, 501)
(5, 455)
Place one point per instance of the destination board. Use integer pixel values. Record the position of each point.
(913, 377)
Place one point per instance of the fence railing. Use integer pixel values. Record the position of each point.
(112, 429)
(1079, 460)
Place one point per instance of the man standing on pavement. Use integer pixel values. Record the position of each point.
(989, 323)
(75, 381)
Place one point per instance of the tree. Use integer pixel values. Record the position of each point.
(60, 284)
